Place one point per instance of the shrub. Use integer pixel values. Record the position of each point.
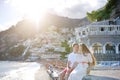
(67, 49)
(16, 51)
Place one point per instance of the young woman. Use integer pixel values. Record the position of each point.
(83, 62)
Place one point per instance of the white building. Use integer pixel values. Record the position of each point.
(101, 37)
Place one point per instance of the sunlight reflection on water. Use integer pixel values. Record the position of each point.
(18, 70)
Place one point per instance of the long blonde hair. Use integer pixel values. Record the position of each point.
(85, 50)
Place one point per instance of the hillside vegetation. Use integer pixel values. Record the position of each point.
(102, 13)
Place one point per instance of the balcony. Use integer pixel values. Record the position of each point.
(103, 30)
(104, 33)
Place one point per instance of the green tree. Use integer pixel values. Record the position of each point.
(103, 13)
(67, 49)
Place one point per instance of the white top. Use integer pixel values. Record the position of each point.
(73, 57)
(81, 69)
(84, 58)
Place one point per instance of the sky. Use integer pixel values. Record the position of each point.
(12, 11)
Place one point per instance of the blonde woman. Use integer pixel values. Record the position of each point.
(84, 61)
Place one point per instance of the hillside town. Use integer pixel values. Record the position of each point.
(31, 51)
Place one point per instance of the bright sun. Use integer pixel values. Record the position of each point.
(33, 9)
(36, 9)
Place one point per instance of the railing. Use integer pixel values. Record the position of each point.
(107, 30)
(104, 33)
(100, 30)
(107, 57)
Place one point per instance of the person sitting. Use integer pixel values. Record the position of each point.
(71, 59)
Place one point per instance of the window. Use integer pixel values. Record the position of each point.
(83, 32)
(110, 48)
(117, 28)
(97, 48)
(119, 48)
(110, 28)
(102, 29)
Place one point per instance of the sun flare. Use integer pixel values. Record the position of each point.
(32, 9)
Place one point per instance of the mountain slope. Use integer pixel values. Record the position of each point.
(59, 21)
(26, 29)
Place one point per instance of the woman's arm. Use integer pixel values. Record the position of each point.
(90, 60)
(89, 68)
